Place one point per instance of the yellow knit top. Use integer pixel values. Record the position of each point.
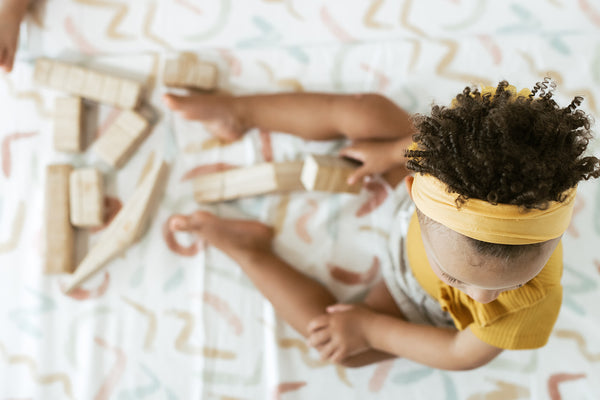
(521, 318)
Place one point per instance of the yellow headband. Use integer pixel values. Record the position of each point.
(501, 223)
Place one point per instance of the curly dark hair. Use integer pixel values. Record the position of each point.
(503, 148)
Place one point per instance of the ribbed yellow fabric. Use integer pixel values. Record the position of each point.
(522, 318)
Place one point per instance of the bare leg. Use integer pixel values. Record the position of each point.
(296, 298)
(312, 116)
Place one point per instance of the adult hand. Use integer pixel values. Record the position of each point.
(377, 157)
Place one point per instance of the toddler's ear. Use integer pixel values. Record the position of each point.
(409, 182)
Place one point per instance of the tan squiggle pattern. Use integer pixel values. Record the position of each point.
(581, 343)
(17, 228)
(147, 30)
(151, 332)
(443, 67)
(378, 231)
(121, 10)
(415, 54)
(557, 76)
(293, 84)
(33, 369)
(213, 143)
(404, 17)
(505, 391)
(341, 373)
(288, 343)
(369, 18)
(182, 342)
(267, 69)
(28, 95)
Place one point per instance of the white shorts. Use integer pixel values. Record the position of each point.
(414, 302)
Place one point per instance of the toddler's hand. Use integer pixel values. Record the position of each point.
(339, 333)
(377, 156)
(9, 37)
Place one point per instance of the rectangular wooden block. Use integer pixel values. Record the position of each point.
(248, 181)
(122, 138)
(329, 174)
(190, 73)
(87, 198)
(126, 228)
(97, 86)
(68, 124)
(60, 236)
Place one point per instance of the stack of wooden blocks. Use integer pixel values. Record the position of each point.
(316, 173)
(75, 197)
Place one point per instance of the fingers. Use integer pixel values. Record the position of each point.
(318, 323)
(3, 53)
(9, 61)
(358, 175)
(179, 223)
(319, 338)
(174, 102)
(353, 152)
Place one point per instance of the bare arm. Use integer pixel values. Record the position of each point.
(12, 13)
(436, 347)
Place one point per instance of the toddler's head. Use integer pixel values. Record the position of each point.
(494, 188)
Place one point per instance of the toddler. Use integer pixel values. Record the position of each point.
(478, 255)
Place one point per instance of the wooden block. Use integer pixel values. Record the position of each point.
(87, 198)
(129, 95)
(82, 82)
(76, 80)
(92, 85)
(122, 138)
(190, 73)
(126, 228)
(41, 73)
(110, 90)
(68, 124)
(59, 75)
(248, 181)
(329, 174)
(60, 236)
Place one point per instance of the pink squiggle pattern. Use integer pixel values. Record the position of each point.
(334, 27)
(380, 375)
(175, 247)
(189, 6)
(384, 80)
(266, 147)
(378, 197)
(491, 46)
(286, 387)
(557, 379)
(81, 294)
(301, 229)
(111, 381)
(235, 65)
(354, 278)
(206, 169)
(6, 153)
(221, 306)
(80, 41)
(592, 14)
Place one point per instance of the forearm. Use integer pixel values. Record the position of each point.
(428, 345)
(16, 8)
(320, 116)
